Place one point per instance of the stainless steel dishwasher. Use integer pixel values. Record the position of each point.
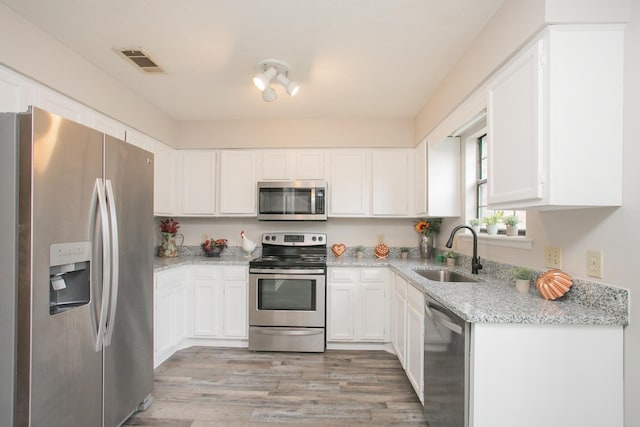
(446, 366)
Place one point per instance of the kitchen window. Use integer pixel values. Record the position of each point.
(481, 191)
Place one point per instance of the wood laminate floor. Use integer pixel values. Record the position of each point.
(203, 386)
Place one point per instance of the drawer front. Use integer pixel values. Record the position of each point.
(343, 275)
(236, 273)
(415, 298)
(205, 272)
(373, 275)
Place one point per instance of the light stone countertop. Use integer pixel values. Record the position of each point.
(161, 264)
(491, 300)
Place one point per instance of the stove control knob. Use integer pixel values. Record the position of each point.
(320, 238)
(313, 238)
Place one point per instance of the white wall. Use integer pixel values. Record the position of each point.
(28, 50)
(349, 231)
(302, 133)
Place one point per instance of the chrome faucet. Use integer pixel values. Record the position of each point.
(475, 261)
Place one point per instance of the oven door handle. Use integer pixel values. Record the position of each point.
(288, 332)
(286, 271)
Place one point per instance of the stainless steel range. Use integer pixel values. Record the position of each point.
(287, 293)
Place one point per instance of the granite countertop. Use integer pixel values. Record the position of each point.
(491, 300)
(160, 264)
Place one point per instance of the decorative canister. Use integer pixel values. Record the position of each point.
(427, 246)
(168, 246)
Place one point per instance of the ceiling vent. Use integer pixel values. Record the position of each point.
(141, 60)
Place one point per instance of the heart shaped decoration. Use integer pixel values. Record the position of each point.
(338, 249)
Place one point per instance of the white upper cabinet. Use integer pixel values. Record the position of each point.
(350, 183)
(164, 180)
(198, 182)
(555, 121)
(237, 187)
(284, 165)
(437, 178)
(15, 92)
(392, 182)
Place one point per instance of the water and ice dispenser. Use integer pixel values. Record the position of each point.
(69, 276)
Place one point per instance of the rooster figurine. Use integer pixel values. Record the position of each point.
(247, 245)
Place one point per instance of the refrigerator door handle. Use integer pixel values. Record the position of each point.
(106, 262)
(115, 261)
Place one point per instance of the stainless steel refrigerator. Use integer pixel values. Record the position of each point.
(77, 209)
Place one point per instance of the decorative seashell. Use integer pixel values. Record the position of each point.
(338, 249)
(381, 250)
(553, 284)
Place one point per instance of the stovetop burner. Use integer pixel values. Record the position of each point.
(292, 250)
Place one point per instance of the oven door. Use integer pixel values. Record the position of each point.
(287, 299)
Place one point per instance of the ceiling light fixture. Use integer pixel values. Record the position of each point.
(267, 70)
(269, 94)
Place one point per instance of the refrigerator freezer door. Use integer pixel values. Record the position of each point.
(59, 379)
(129, 354)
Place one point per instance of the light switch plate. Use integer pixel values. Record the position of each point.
(553, 257)
(594, 264)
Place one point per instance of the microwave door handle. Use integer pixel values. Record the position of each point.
(313, 200)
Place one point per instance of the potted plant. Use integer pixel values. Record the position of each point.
(451, 258)
(491, 221)
(511, 222)
(359, 251)
(404, 252)
(475, 224)
(522, 277)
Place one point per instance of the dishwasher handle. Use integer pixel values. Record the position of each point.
(440, 318)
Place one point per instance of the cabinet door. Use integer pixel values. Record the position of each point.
(415, 349)
(400, 311)
(276, 165)
(349, 193)
(514, 119)
(235, 309)
(421, 179)
(164, 178)
(109, 126)
(181, 310)
(309, 164)
(391, 182)
(373, 311)
(198, 182)
(206, 296)
(163, 325)
(341, 315)
(237, 187)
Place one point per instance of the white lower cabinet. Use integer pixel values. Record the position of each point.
(358, 305)
(415, 340)
(220, 301)
(530, 375)
(408, 331)
(199, 304)
(400, 319)
(170, 312)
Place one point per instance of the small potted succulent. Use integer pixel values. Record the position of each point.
(450, 256)
(522, 277)
(491, 221)
(511, 222)
(475, 224)
(359, 251)
(404, 252)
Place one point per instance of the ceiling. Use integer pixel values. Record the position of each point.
(353, 58)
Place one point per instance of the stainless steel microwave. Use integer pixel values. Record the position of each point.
(292, 200)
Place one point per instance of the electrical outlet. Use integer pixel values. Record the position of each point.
(553, 257)
(594, 264)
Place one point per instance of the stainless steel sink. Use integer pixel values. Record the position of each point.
(444, 276)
